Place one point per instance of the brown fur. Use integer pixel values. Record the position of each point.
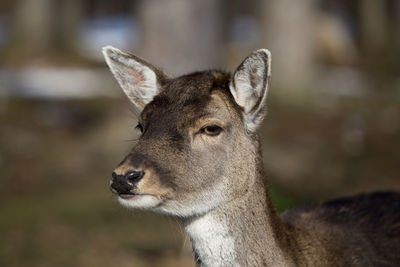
(184, 167)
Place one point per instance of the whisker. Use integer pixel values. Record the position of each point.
(133, 110)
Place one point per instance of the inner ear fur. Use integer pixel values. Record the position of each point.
(139, 80)
(249, 87)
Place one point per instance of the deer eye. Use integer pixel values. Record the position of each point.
(139, 127)
(212, 130)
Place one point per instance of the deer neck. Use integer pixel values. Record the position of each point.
(244, 232)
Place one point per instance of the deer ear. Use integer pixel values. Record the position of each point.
(249, 87)
(139, 80)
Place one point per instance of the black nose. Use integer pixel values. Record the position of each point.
(123, 184)
(134, 176)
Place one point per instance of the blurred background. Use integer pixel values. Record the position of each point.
(333, 127)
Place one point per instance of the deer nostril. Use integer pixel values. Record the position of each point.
(114, 175)
(134, 176)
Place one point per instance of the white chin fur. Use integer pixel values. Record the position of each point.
(143, 202)
(195, 204)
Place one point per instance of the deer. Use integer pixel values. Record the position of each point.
(198, 158)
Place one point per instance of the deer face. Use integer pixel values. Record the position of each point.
(197, 134)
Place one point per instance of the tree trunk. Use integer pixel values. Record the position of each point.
(32, 25)
(289, 34)
(181, 36)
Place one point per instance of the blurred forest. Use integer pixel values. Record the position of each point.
(333, 127)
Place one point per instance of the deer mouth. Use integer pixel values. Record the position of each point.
(130, 196)
(127, 195)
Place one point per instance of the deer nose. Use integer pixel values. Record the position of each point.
(124, 183)
(134, 176)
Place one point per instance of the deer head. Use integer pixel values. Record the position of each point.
(198, 146)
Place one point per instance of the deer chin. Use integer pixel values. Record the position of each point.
(139, 201)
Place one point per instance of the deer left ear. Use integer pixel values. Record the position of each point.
(139, 80)
(249, 87)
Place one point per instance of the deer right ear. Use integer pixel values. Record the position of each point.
(249, 86)
(139, 80)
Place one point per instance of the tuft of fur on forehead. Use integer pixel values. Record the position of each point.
(191, 91)
(197, 84)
